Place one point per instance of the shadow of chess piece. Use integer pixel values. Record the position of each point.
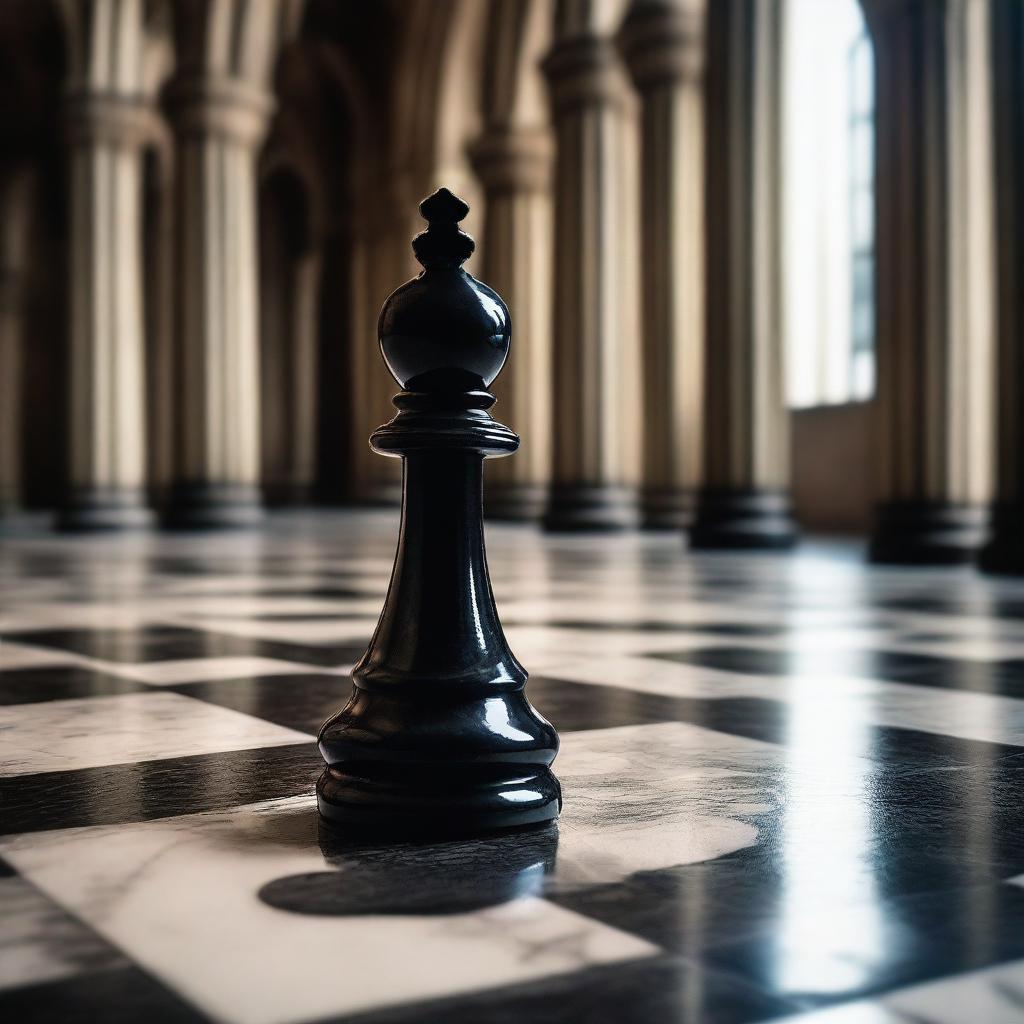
(424, 879)
(438, 734)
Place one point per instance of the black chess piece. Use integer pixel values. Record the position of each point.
(438, 734)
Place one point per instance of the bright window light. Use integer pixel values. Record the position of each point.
(828, 203)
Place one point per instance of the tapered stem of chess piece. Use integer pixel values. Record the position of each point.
(438, 733)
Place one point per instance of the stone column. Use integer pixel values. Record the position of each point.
(514, 166)
(16, 205)
(10, 393)
(107, 444)
(303, 397)
(663, 45)
(1004, 552)
(219, 123)
(744, 500)
(933, 277)
(380, 256)
(590, 324)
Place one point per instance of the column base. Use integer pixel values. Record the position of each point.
(743, 520)
(19, 522)
(381, 494)
(524, 503)
(10, 500)
(926, 533)
(666, 509)
(1003, 553)
(288, 494)
(1003, 550)
(582, 508)
(98, 509)
(209, 506)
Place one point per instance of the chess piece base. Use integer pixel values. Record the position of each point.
(103, 509)
(448, 799)
(926, 533)
(208, 506)
(743, 520)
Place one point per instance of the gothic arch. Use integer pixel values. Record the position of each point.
(437, 112)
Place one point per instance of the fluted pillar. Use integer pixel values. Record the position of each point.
(590, 326)
(1004, 552)
(16, 204)
(744, 500)
(381, 254)
(663, 45)
(107, 443)
(11, 385)
(219, 124)
(304, 398)
(933, 277)
(220, 104)
(514, 166)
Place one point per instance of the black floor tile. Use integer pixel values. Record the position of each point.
(177, 643)
(298, 701)
(145, 790)
(659, 989)
(119, 996)
(61, 682)
(1003, 678)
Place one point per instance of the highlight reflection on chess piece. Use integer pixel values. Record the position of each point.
(438, 733)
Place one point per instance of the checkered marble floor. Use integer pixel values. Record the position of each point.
(794, 789)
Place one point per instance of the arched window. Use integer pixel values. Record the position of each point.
(828, 203)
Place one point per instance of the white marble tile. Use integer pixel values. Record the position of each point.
(71, 734)
(838, 700)
(76, 615)
(39, 942)
(193, 670)
(991, 996)
(863, 1011)
(17, 655)
(180, 896)
(994, 995)
(211, 610)
(313, 632)
(216, 584)
(640, 798)
(969, 648)
(544, 641)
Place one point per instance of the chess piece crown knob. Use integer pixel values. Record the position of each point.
(444, 331)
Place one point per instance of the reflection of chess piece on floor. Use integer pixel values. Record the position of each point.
(451, 877)
(438, 732)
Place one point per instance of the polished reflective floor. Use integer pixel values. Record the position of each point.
(794, 788)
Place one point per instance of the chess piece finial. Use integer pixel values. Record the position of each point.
(438, 734)
(443, 244)
(444, 330)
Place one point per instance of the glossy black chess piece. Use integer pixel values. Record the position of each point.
(438, 734)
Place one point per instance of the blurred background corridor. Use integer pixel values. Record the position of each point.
(761, 255)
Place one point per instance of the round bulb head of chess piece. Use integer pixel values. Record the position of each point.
(444, 331)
